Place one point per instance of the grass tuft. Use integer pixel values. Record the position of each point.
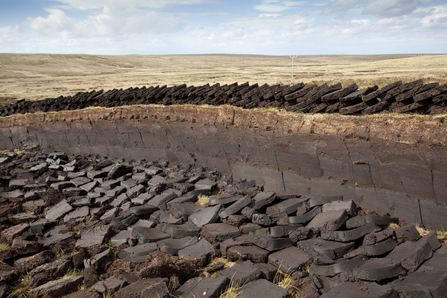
(227, 263)
(4, 246)
(284, 280)
(230, 292)
(202, 200)
(20, 287)
(73, 272)
(394, 225)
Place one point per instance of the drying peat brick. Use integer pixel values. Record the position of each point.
(410, 107)
(359, 221)
(353, 109)
(282, 231)
(430, 93)
(29, 263)
(206, 287)
(261, 219)
(407, 233)
(160, 200)
(317, 93)
(306, 217)
(350, 235)
(357, 95)
(372, 250)
(57, 288)
(148, 287)
(224, 199)
(244, 253)
(179, 231)
(10, 233)
(379, 269)
(148, 235)
(93, 236)
(318, 108)
(338, 267)
(111, 284)
(374, 238)
(263, 239)
(121, 238)
(138, 253)
(172, 246)
(235, 207)
(332, 249)
(412, 255)
(262, 288)
(301, 234)
(331, 221)
(427, 281)
(241, 274)
(58, 210)
(288, 206)
(225, 245)
(360, 290)
(290, 259)
(336, 95)
(323, 200)
(201, 253)
(262, 199)
(77, 213)
(408, 94)
(89, 293)
(100, 261)
(55, 235)
(292, 89)
(267, 271)
(218, 232)
(402, 89)
(349, 206)
(300, 93)
(376, 108)
(205, 184)
(205, 216)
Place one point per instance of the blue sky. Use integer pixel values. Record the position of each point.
(268, 27)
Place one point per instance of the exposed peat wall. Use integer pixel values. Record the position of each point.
(393, 165)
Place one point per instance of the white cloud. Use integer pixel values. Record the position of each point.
(342, 6)
(390, 8)
(109, 23)
(281, 27)
(269, 15)
(100, 4)
(278, 6)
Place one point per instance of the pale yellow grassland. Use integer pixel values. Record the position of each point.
(38, 76)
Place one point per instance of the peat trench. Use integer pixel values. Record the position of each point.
(135, 229)
(398, 97)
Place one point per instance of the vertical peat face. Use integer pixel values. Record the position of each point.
(390, 164)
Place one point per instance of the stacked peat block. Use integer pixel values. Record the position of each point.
(412, 97)
(135, 229)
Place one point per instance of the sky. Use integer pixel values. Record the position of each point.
(266, 27)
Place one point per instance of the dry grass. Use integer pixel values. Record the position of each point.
(227, 263)
(284, 280)
(20, 287)
(38, 76)
(202, 200)
(230, 292)
(4, 246)
(73, 272)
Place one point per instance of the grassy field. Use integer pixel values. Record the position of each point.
(38, 76)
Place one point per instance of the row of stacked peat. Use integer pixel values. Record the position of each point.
(398, 97)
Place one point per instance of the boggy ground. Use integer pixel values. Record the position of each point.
(82, 226)
(39, 76)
